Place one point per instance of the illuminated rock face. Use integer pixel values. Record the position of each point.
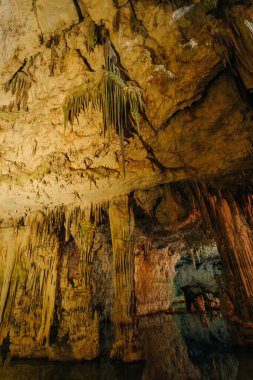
(126, 345)
(195, 123)
(66, 271)
(229, 213)
(66, 265)
(46, 288)
(154, 274)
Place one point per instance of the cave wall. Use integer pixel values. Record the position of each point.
(47, 287)
(68, 272)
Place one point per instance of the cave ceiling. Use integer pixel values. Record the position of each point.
(192, 68)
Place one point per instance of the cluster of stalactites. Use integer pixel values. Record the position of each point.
(229, 215)
(29, 253)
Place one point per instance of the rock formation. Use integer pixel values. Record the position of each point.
(125, 170)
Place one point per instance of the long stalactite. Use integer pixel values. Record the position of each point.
(44, 307)
(229, 214)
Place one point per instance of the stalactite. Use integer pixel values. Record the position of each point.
(19, 85)
(78, 321)
(229, 214)
(31, 285)
(172, 209)
(48, 294)
(9, 259)
(86, 236)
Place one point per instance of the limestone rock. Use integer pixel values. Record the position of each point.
(188, 129)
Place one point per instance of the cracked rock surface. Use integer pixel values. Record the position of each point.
(195, 123)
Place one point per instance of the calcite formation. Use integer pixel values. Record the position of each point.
(126, 345)
(229, 213)
(46, 288)
(125, 152)
(65, 272)
(174, 57)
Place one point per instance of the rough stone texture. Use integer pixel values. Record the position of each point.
(47, 287)
(171, 250)
(65, 271)
(201, 272)
(165, 276)
(170, 55)
(154, 274)
(195, 74)
(55, 16)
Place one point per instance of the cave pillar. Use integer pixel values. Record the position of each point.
(235, 242)
(126, 346)
(230, 215)
(75, 328)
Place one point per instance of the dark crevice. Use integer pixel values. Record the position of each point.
(86, 62)
(202, 92)
(133, 9)
(163, 169)
(19, 70)
(57, 316)
(119, 65)
(78, 10)
(5, 348)
(116, 4)
(151, 156)
(245, 94)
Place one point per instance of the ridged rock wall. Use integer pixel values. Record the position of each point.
(47, 286)
(67, 272)
(154, 274)
(228, 211)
